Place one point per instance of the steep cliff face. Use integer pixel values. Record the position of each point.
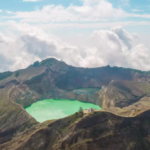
(13, 118)
(100, 130)
(122, 93)
(124, 98)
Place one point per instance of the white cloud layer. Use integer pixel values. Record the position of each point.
(91, 10)
(23, 44)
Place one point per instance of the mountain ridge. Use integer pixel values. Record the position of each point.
(56, 79)
(100, 130)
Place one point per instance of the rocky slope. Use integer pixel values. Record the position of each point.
(100, 130)
(122, 93)
(55, 79)
(13, 118)
(126, 98)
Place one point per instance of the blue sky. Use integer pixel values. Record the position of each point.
(85, 33)
(19, 5)
(16, 5)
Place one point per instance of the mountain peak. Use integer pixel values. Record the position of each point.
(47, 62)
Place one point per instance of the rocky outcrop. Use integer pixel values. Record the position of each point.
(124, 98)
(99, 130)
(132, 110)
(122, 93)
(13, 118)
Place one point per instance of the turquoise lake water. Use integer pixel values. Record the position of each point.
(86, 90)
(55, 109)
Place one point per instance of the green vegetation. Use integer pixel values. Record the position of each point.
(17, 74)
(46, 62)
(80, 112)
(36, 64)
(120, 69)
(51, 61)
(78, 77)
(80, 109)
(5, 75)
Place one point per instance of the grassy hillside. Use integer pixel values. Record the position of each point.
(13, 118)
(99, 130)
(5, 75)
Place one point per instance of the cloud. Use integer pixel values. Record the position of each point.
(139, 56)
(8, 12)
(32, 44)
(115, 47)
(4, 63)
(39, 47)
(90, 11)
(93, 11)
(123, 35)
(106, 48)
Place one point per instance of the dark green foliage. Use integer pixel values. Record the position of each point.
(47, 62)
(80, 113)
(76, 115)
(80, 109)
(17, 74)
(94, 132)
(78, 77)
(5, 75)
(36, 64)
(130, 69)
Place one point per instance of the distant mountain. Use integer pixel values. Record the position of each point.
(54, 79)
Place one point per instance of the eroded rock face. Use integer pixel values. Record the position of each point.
(122, 93)
(100, 130)
(13, 118)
